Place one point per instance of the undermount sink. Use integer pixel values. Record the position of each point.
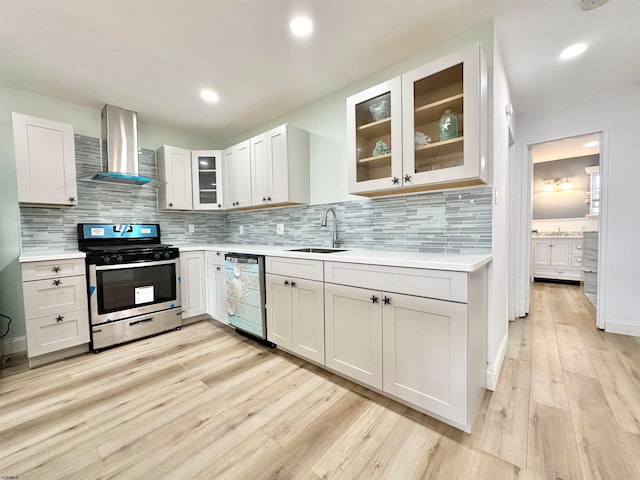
(317, 250)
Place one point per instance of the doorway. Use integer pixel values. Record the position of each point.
(564, 213)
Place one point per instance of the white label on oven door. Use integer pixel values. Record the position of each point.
(144, 294)
(97, 232)
(145, 230)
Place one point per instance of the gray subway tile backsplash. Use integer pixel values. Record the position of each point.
(452, 221)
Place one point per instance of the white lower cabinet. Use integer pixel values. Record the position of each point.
(193, 284)
(216, 287)
(353, 328)
(557, 258)
(295, 306)
(56, 313)
(425, 353)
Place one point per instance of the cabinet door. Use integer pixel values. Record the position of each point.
(541, 253)
(279, 327)
(446, 101)
(192, 283)
(206, 171)
(307, 304)
(425, 345)
(259, 171)
(45, 161)
(216, 287)
(174, 169)
(353, 333)
(374, 120)
(237, 174)
(277, 165)
(560, 253)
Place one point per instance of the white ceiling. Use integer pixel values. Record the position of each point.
(154, 56)
(573, 147)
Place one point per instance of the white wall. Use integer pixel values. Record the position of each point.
(617, 115)
(497, 331)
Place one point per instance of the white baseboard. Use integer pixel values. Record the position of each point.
(621, 327)
(14, 345)
(494, 370)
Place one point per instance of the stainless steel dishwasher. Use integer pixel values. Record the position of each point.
(246, 294)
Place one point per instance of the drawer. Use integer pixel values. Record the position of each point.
(440, 284)
(559, 273)
(576, 261)
(576, 247)
(217, 257)
(52, 269)
(55, 332)
(54, 296)
(295, 267)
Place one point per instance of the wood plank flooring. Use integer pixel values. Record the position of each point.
(205, 403)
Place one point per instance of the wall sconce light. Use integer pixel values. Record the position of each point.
(558, 184)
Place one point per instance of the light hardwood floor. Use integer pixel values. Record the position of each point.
(205, 403)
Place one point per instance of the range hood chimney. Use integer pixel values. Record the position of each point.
(119, 147)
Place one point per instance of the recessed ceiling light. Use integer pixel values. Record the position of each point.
(301, 26)
(209, 95)
(573, 51)
(591, 144)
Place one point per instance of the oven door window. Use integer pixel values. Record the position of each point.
(126, 288)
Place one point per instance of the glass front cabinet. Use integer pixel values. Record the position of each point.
(424, 130)
(206, 170)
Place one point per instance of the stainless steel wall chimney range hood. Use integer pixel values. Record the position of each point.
(119, 147)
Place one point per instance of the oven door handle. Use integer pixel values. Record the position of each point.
(133, 265)
(138, 322)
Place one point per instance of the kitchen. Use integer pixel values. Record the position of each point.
(327, 142)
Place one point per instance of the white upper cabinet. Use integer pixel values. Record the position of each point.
(45, 161)
(439, 112)
(207, 180)
(174, 169)
(374, 122)
(280, 167)
(237, 175)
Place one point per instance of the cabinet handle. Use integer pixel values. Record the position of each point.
(218, 268)
(219, 206)
(59, 318)
(264, 199)
(559, 271)
(374, 299)
(57, 282)
(550, 245)
(395, 180)
(386, 300)
(293, 284)
(578, 247)
(407, 178)
(171, 204)
(286, 282)
(72, 199)
(268, 199)
(55, 269)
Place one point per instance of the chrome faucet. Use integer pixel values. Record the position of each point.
(323, 223)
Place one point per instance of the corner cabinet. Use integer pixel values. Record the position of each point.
(174, 171)
(207, 179)
(280, 167)
(424, 130)
(45, 161)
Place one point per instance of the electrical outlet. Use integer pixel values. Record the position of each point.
(280, 228)
(192, 228)
(241, 229)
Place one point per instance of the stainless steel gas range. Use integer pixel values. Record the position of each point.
(133, 282)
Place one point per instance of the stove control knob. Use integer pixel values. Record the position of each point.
(156, 256)
(106, 259)
(119, 258)
(167, 254)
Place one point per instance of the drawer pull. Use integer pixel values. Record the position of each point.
(578, 247)
(138, 322)
(374, 299)
(57, 282)
(59, 318)
(55, 269)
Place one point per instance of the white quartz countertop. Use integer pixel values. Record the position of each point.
(435, 261)
(46, 256)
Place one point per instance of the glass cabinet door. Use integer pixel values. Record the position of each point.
(375, 138)
(207, 179)
(442, 120)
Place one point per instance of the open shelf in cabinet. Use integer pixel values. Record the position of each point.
(375, 129)
(433, 111)
(377, 161)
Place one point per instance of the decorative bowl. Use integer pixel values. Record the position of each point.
(381, 109)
